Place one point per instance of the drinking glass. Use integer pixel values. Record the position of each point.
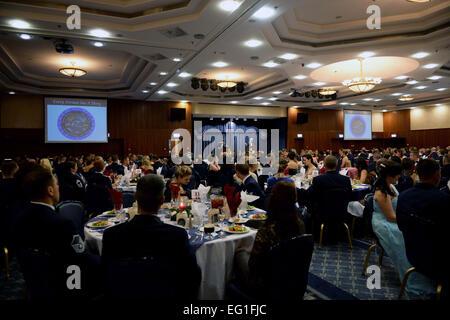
(221, 218)
(208, 229)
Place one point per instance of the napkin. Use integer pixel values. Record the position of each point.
(203, 191)
(117, 197)
(175, 190)
(343, 172)
(355, 208)
(233, 199)
(246, 199)
(158, 171)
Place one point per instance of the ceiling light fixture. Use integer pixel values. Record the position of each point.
(420, 87)
(264, 13)
(253, 43)
(313, 65)
(366, 54)
(25, 36)
(100, 33)
(229, 5)
(265, 103)
(163, 73)
(288, 56)
(233, 102)
(277, 92)
(430, 65)
(272, 99)
(11, 92)
(172, 84)
(184, 75)
(319, 83)
(434, 77)
(220, 64)
(98, 44)
(145, 91)
(19, 24)
(441, 89)
(361, 84)
(397, 94)
(412, 82)
(258, 98)
(270, 64)
(406, 98)
(162, 92)
(176, 59)
(420, 55)
(419, 1)
(226, 83)
(72, 71)
(368, 99)
(300, 77)
(401, 77)
(153, 83)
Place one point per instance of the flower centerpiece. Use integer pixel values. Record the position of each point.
(182, 208)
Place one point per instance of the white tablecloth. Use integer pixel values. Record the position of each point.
(215, 258)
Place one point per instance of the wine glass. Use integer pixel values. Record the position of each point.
(221, 217)
(208, 229)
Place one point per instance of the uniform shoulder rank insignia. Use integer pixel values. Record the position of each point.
(77, 244)
(79, 184)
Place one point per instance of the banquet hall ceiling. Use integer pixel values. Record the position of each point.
(145, 36)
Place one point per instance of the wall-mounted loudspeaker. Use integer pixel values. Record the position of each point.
(302, 118)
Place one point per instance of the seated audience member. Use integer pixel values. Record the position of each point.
(181, 180)
(250, 185)
(283, 222)
(147, 236)
(384, 225)
(72, 186)
(98, 198)
(363, 171)
(45, 163)
(293, 164)
(280, 176)
(422, 215)
(251, 169)
(308, 164)
(373, 163)
(115, 167)
(343, 161)
(43, 229)
(408, 176)
(146, 167)
(214, 171)
(126, 164)
(433, 154)
(158, 163)
(445, 171)
(88, 169)
(441, 155)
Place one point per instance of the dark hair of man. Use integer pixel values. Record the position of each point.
(427, 168)
(243, 169)
(282, 210)
(36, 182)
(8, 167)
(447, 158)
(407, 164)
(149, 192)
(99, 165)
(396, 159)
(386, 168)
(330, 162)
(115, 158)
(292, 155)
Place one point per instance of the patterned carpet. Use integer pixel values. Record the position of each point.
(335, 274)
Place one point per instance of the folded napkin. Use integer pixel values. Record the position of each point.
(233, 199)
(246, 199)
(158, 171)
(203, 191)
(343, 172)
(175, 190)
(355, 208)
(117, 198)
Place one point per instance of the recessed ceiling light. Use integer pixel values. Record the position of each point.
(313, 65)
(265, 103)
(277, 92)
(377, 100)
(420, 55)
(98, 44)
(162, 92)
(19, 24)
(368, 99)
(270, 64)
(176, 59)
(145, 91)
(153, 83)
(420, 87)
(184, 101)
(233, 102)
(401, 77)
(253, 43)
(344, 103)
(300, 77)
(229, 5)
(412, 108)
(11, 92)
(163, 73)
(172, 84)
(384, 110)
(319, 83)
(220, 64)
(430, 65)
(258, 98)
(353, 104)
(25, 36)
(397, 94)
(434, 77)
(412, 82)
(272, 99)
(289, 56)
(184, 75)
(264, 13)
(441, 89)
(438, 104)
(100, 33)
(366, 54)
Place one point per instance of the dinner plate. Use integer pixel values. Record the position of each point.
(216, 229)
(106, 214)
(252, 217)
(91, 225)
(240, 220)
(226, 229)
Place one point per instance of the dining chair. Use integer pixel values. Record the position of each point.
(73, 211)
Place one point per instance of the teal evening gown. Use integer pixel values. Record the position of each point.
(391, 238)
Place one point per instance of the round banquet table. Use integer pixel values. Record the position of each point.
(214, 257)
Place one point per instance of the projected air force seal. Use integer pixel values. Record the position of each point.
(76, 123)
(358, 126)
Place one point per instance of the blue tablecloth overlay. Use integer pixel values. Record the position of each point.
(359, 193)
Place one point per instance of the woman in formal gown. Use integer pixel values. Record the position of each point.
(384, 224)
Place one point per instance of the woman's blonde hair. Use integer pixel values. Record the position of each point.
(45, 163)
(146, 164)
(183, 171)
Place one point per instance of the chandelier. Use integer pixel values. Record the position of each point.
(406, 98)
(72, 71)
(327, 91)
(226, 83)
(361, 84)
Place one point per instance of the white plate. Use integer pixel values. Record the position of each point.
(234, 232)
(216, 229)
(90, 224)
(105, 214)
(251, 218)
(241, 220)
